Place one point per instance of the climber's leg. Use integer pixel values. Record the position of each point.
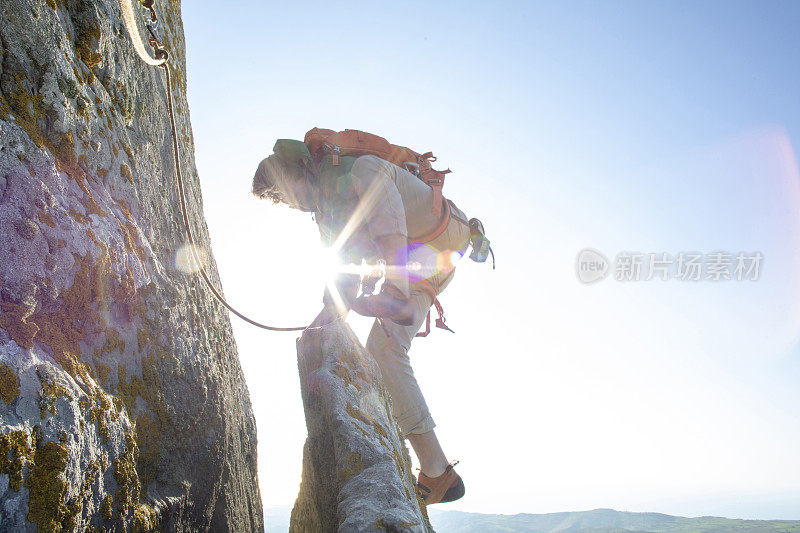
(391, 354)
(432, 460)
(408, 404)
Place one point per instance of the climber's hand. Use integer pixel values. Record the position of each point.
(390, 303)
(342, 289)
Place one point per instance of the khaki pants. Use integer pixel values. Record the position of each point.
(391, 352)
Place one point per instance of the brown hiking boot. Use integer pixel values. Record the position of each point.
(445, 488)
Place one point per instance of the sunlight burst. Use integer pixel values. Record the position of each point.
(186, 259)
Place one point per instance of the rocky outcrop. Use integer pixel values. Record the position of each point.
(356, 469)
(122, 402)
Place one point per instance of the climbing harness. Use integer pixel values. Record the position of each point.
(160, 60)
(481, 248)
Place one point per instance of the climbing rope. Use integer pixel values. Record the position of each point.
(160, 60)
(129, 17)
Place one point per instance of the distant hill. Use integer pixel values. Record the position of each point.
(597, 521)
(600, 521)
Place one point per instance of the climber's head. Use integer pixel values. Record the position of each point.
(283, 184)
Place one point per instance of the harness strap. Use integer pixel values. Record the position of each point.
(439, 229)
(433, 178)
(437, 185)
(427, 327)
(440, 322)
(426, 286)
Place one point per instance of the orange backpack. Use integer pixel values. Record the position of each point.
(321, 142)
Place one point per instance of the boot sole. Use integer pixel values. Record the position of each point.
(454, 493)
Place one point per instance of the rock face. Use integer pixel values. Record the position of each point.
(356, 468)
(122, 402)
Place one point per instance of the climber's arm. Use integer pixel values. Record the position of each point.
(381, 206)
(376, 223)
(342, 289)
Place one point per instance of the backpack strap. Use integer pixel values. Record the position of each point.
(434, 179)
(439, 229)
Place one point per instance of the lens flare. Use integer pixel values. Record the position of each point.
(329, 263)
(414, 266)
(186, 259)
(444, 262)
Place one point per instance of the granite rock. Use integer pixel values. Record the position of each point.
(356, 468)
(123, 405)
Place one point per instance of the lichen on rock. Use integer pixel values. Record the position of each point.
(15, 453)
(48, 489)
(9, 384)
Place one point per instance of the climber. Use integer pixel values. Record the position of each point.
(366, 209)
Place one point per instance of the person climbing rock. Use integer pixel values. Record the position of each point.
(370, 209)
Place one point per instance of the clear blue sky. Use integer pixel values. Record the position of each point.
(626, 126)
